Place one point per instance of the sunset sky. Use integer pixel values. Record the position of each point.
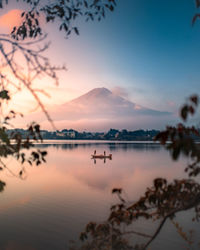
(145, 51)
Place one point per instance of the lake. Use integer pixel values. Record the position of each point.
(56, 200)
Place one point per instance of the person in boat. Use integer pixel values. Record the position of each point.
(104, 153)
(95, 152)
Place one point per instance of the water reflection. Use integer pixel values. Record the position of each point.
(100, 159)
(56, 200)
(103, 156)
(112, 146)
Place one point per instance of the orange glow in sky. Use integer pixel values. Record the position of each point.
(11, 19)
(100, 57)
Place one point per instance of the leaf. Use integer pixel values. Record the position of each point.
(2, 185)
(191, 109)
(37, 128)
(195, 18)
(4, 136)
(176, 153)
(30, 162)
(197, 3)
(194, 99)
(43, 153)
(116, 190)
(4, 94)
(184, 112)
(76, 30)
(111, 8)
(86, 4)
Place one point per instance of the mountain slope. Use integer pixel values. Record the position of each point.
(100, 109)
(101, 102)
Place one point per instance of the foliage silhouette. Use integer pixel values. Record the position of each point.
(28, 42)
(161, 202)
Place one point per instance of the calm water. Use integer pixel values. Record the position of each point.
(57, 199)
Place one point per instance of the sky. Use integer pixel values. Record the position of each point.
(146, 51)
(148, 48)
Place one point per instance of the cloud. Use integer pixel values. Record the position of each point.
(139, 90)
(11, 19)
(99, 110)
(171, 104)
(119, 91)
(102, 125)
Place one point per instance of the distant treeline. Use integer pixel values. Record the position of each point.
(112, 134)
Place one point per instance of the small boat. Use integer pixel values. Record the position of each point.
(102, 156)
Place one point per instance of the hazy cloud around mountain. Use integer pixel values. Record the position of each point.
(100, 109)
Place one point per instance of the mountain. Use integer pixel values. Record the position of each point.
(100, 109)
(101, 102)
